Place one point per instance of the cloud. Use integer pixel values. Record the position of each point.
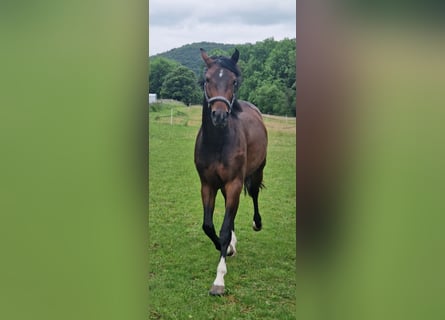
(172, 23)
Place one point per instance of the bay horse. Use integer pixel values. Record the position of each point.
(230, 152)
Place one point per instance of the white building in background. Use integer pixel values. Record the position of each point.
(152, 97)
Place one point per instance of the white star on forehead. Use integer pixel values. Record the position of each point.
(221, 72)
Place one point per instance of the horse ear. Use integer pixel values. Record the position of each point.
(235, 56)
(208, 61)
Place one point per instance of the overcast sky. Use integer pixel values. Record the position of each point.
(174, 23)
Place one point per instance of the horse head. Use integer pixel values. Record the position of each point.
(221, 80)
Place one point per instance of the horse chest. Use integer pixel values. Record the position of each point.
(222, 167)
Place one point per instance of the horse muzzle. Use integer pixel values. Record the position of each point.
(219, 118)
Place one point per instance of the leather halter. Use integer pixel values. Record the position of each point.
(219, 98)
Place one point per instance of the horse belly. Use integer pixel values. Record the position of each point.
(256, 153)
(256, 138)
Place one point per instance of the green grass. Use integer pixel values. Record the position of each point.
(260, 283)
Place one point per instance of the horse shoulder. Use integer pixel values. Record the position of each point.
(253, 120)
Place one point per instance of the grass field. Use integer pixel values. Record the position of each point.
(260, 283)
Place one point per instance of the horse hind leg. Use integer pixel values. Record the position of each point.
(253, 184)
(256, 224)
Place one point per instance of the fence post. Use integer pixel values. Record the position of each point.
(171, 116)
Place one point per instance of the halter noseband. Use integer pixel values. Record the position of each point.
(219, 98)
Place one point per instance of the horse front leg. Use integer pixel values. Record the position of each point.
(208, 195)
(231, 250)
(227, 235)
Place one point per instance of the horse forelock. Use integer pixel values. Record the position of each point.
(228, 64)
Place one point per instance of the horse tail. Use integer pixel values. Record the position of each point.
(248, 185)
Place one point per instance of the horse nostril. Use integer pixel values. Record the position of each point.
(219, 117)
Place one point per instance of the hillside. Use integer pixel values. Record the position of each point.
(268, 73)
(188, 55)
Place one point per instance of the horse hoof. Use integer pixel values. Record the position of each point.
(255, 228)
(216, 290)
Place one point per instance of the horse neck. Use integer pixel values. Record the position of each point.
(212, 135)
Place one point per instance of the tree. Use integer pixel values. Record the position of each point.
(159, 68)
(280, 64)
(292, 98)
(271, 98)
(181, 84)
(268, 70)
(219, 52)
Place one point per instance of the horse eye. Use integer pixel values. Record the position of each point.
(235, 83)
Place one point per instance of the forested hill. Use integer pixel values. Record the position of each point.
(189, 56)
(267, 67)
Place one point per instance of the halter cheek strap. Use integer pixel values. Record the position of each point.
(219, 98)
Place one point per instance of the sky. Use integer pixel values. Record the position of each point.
(174, 23)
